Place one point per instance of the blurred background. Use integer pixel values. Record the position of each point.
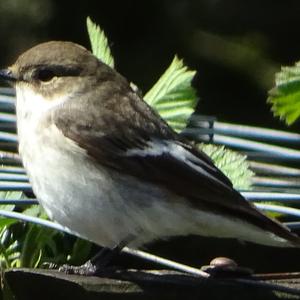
(236, 47)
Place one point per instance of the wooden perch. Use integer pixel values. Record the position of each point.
(33, 284)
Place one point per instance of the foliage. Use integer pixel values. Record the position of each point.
(9, 248)
(232, 164)
(173, 95)
(285, 97)
(22, 245)
(99, 43)
(30, 245)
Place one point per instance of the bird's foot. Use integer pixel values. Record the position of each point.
(93, 267)
(87, 269)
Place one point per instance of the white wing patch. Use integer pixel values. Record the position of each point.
(158, 148)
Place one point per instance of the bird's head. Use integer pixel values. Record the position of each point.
(52, 73)
(54, 68)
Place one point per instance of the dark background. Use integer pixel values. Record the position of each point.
(236, 47)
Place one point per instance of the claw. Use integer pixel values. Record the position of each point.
(87, 269)
(49, 265)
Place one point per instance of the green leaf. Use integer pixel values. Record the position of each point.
(7, 245)
(80, 252)
(9, 254)
(34, 211)
(10, 195)
(7, 221)
(36, 239)
(232, 164)
(99, 43)
(173, 96)
(285, 97)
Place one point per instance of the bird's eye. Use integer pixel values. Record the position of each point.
(45, 75)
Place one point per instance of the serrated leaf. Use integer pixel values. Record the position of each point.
(285, 97)
(173, 96)
(99, 43)
(231, 163)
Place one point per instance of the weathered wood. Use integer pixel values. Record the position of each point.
(132, 284)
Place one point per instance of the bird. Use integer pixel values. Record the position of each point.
(107, 167)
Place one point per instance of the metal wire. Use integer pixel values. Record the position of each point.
(8, 137)
(279, 209)
(12, 170)
(251, 132)
(276, 182)
(165, 262)
(273, 169)
(13, 177)
(15, 186)
(271, 196)
(208, 125)
(18, 202)
(287, 153)
(292, 225)
(35, 220)
(7, 91)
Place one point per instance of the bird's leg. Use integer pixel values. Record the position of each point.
(95, 265)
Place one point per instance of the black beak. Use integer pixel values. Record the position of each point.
(7, 75)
